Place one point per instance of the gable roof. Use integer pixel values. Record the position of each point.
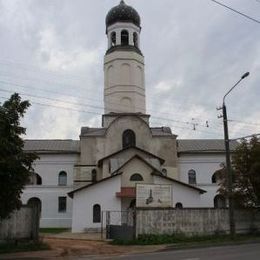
(203, 145)
(128, 148)
(52, 146)
(71, 193)
(159, 174)
(132, 158)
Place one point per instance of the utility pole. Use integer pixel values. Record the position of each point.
(229, 174)
(228, 162)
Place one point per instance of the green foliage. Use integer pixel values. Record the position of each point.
(181, 239)
(246, 174)
(15, 164)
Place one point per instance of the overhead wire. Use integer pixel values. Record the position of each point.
(97, 107)
(236, 11)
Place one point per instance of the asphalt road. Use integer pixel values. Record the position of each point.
(237, 252)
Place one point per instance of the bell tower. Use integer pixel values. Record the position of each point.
(124, 86)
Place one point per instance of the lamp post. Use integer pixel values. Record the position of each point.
(228, 161)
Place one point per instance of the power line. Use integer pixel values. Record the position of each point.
(243, 122)
(238, 12)
(245, 137)
(100, 108)
(96, 113)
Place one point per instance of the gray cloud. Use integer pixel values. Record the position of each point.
(194, 51)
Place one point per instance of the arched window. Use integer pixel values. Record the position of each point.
(124, 37)
(135, 37)
(62, 178)
(216, 177)
(96, 213)
(136, 177)
(219, 202)
(35, 179)
(94, 175)
(35, 203)
(178, 205)
(192, 177)
(113, 39)
(128, 138)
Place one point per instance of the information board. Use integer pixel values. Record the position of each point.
(153, 195)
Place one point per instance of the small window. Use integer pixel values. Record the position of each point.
(113, 39)
(96, 213)
(192, 177)
(178, 205)
(219, 202)
(128, 138)
(94, 175)
(62, 178)
(62, 204)
(124, 37)
(136, 177)
(164, 171)
(135, 36)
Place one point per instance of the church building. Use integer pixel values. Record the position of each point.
(76, 180)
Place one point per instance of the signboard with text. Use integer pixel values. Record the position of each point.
(153, 195)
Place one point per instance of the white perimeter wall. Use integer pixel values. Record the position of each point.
(104, 194)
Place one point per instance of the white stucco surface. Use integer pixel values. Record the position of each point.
(104, 194)
(188, 197)
(48, 168)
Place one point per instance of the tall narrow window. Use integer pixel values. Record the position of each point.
(124, 37)
(192, 177)
(219, 202)
(62, 178)
(62, 204)
(96, 213)
(128, 138)
(135, 36)
(94, 175)
(113, 39)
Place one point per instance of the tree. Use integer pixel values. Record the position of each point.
(246, 174)
(15, 164)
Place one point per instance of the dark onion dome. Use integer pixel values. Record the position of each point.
(123, 13)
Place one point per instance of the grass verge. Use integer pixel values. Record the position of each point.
(184, 240)
(11, 247)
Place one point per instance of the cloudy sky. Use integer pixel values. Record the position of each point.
(51, 52)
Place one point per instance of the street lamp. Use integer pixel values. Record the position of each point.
(228, 162)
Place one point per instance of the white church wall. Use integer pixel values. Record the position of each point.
(205, 165)
(49, 197)
(188, 197)
(48, 167)
(104, 194)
